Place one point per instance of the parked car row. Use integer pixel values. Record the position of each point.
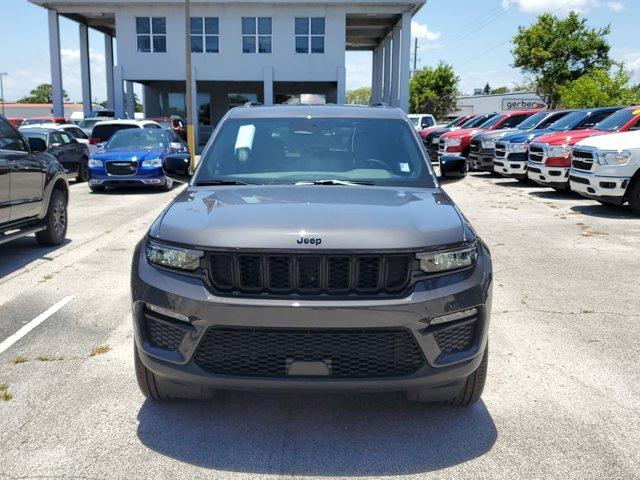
(594, 152)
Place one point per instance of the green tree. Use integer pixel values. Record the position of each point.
(42, 94)
(557, 51)
(434, 90)
(487, 89)
(359, 96)
(499, 90)
(600, 88)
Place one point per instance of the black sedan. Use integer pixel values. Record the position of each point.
(72, 155)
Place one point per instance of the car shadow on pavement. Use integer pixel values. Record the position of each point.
(21, 252)
(619, 212)
(516, 184)
(555, 194)
(327, 435)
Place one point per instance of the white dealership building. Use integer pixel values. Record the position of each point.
(288, 51)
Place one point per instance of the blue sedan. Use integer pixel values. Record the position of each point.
(134, 157)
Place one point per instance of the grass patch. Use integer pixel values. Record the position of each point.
(5, 394)
(48, 276)
(19, 359)
(46, 358)
(99, 350)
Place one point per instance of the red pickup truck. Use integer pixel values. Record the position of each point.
(458, 142)
(550, 155)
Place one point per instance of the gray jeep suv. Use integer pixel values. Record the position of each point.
(313, 249)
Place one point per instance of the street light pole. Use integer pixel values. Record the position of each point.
(2, 74)
(191, 141)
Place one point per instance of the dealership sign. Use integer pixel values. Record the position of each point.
(522, 103)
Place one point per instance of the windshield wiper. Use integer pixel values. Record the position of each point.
(333, 182)
(209, 183)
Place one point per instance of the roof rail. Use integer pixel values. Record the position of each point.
(379, 105)
(252, 104)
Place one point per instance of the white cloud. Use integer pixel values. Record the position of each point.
(632, 63)
(422, 32)
(562, 6)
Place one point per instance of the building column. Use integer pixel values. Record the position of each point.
(342, 86)
(376, 80)
(386, 94)
(118, 92)
(395, 65)
(131, 101)
(194, 108)
(56, 65)
(108, 60)
(268, 86)
(405, 62)
(85, 66)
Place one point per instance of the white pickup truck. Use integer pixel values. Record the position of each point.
(607, 169)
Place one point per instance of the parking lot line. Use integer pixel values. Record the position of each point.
(6, 344)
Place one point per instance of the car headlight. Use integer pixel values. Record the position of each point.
(154, 162)
(488, 144)
(442, 261)
(93, 163)
(173, 257)
(559, 151)
(613, 157)
(453, 142)
(517, 147)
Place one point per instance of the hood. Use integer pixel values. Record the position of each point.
(426, 131)
(495, 134)
(524, 136)
(343, 217)
(613, 141)
(465, 132)
(570, 137)
(128, 153)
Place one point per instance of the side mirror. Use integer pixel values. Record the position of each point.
(177, 166)
(453, 167)
(55, 145)
(101, 145)
(176, 146)
(37, 145)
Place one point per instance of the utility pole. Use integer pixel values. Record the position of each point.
(191, 141)
(415, 56)
(2, 74)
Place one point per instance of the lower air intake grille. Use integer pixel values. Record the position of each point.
(456, 339)
(163, 335)
(346, 353)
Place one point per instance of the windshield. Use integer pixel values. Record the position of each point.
(88, 123)
(568, 122)
(414, 120)
(34, 121)
(292, 150)
(479, 120)
(532, 121)
(138, 138)
(453, 122)
(492, 121)
(616, 121)
(40, 135)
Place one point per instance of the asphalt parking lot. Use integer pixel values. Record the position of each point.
(562, 397)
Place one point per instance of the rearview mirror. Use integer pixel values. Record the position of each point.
(37, 145)
(453, 167)
(178, 166)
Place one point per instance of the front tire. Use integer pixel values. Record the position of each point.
(149, 384)
(473, 385)
(168, 184)
(55, 222)
(83, 170)
(633, 197)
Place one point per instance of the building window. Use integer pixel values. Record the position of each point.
(152, 34)
(310, 35)
(256, 34)
(205, 35)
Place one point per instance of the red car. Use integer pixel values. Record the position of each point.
(16, 122)
(550, 155)
(424, 133)
(458, 142)
(38, 120)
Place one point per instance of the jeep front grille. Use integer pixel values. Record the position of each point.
(345, 353)
(309, 273)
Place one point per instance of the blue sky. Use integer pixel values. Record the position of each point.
(472, 35)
